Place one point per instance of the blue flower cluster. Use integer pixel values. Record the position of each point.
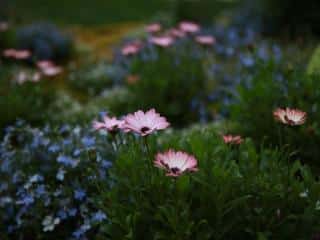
(46, 181)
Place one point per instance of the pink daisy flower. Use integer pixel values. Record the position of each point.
(144, 123)
(292, 117)
(189, 27)
(111, 124)
(44, 64)
(8, 53)
(131, 48)
(153, 28)
(177, 33)
(176, 163)
(52, 71)
(17, 54)
(164, 41)
(205, 40)
(48, 68)
(232, 140)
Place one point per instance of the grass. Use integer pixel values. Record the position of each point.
(85, 12)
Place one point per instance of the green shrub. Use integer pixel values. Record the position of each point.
(28, 101)
(66, 109)
(169, 83)
(238, 192)
(269, 90)
(314, 64)
(90, 80)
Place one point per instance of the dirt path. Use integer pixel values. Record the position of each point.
(101, 40)
(94, 44)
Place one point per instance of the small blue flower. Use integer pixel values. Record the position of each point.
(36, 178)
(40, 190)
(49, 223)
(67, 161)
(64, 129)
(88, 141)
(106, 164)
(247, 60)
(79, 194)
(5, 200)
(66, 142)
(76, 153)
(102, 114)
(72, 212)
(99, 216)
(54, 148)
(60, 174)
(62, 214)
(26, 200)
(3, 187)
(82, 230)
(57, 193)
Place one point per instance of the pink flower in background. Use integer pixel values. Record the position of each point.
(9, 53)
(52, 71)
(292, 117)
(174, 32)
(4, 26)
(176, 163)
(111, 124)
(17, 54)
(205, 40)
(153, 28)
(131, 48)
(144, 123)
(48, 68)
(164, 41)
(189, 27)
(232, 140)
(45, 64)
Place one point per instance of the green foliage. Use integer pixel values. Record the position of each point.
(203, 11)
(238, 192)
(85, 12)
(66, 109)
(91, 80)
(314, 64)
(270, 90)
(7, 39)
(169, 83)
(28, 101)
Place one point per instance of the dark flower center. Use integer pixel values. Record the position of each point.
(175, 170)
(144, 129)
(290, 122)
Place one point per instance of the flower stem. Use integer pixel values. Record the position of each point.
(146, 144)
(280, 137)
(114, 142)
